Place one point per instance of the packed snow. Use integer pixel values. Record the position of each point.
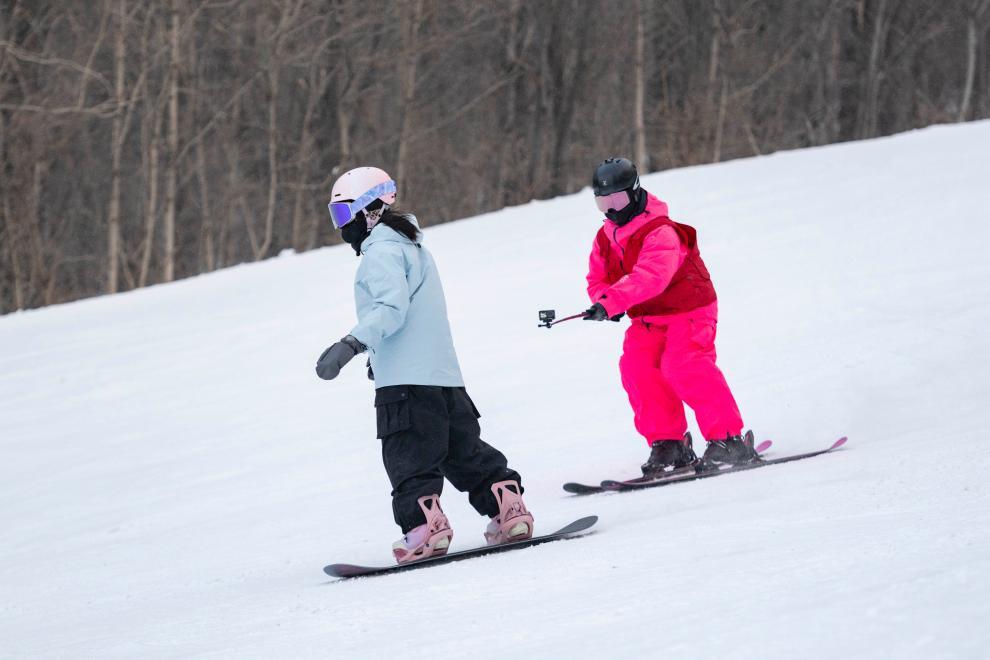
(173, 476)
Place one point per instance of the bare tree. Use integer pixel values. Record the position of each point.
(245, 112)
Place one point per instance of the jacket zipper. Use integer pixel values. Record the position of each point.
(622, 252)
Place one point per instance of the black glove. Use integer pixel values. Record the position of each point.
(596, 313)
(617, 317)
(334, 358)
(371, 372)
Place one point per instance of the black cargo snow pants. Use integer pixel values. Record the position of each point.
(428, 433)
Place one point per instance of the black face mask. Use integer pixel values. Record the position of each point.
(354, 233)
(629, 211)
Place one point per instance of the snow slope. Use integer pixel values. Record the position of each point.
(173, 476)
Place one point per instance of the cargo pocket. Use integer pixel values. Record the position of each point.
(392, 410)
(474, 408)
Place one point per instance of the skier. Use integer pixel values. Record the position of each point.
(427, 423)
(647, 266)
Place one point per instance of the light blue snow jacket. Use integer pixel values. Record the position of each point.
(402, 313)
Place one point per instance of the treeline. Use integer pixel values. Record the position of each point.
(147, 140)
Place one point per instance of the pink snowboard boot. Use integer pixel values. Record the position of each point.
(430, 539)
(513, 522)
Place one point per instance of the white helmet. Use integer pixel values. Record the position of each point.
(355, 190)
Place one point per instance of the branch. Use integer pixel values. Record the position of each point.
(56, 61)
(219, 113)
(105, 110)
(463, 110)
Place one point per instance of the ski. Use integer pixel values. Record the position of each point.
(352, 571)
(609, 485)
(715, 472)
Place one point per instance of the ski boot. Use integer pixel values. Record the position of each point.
(513, 522)
(669, 455)
(734, 450)
(430, 539)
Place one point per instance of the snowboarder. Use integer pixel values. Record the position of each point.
(647, 266)
(427, 423)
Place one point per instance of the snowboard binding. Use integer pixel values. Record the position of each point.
(430, 539)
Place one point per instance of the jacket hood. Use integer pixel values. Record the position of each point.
(655, 208)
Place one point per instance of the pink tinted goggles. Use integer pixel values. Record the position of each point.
(614, 202)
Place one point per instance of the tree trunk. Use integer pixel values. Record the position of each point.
(233, 186)
(172, 170)
(318, 83)
(39, 264)
(266, 243)
(833, 90)
(407, 70)
(345, 118)
(971, 43)
(209, 247)
(15, 263)
(208, 224)
(720, 121)
(870, 104)
(641, 155)
(116, 149)
(714, 55)
(231, 147)
(97, 46)
(10, 225)
(507, 143)
(151, 210)
(301, 163)
(569, 66)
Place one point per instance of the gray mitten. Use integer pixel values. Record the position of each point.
(334, 358)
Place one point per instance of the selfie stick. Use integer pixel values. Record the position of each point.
(547, 318)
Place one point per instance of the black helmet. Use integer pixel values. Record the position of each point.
(613, 175)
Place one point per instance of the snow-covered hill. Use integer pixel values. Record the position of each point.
(173, 476)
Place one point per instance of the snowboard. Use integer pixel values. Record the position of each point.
(694, 473)
(352, 571)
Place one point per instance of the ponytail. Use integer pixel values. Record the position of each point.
(402, 223)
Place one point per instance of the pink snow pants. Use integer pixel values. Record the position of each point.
(668, 361)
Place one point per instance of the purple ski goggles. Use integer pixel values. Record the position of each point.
(343, 212)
